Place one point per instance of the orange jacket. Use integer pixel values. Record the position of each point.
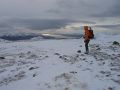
(86, 33)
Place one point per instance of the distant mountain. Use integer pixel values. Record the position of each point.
(18, 37)
(32, 36)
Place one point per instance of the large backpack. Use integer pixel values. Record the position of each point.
(91, 34)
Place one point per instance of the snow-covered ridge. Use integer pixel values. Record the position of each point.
(57, 64)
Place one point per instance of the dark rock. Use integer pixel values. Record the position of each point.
(116, 43)
(110, 88)
(84, 58)
(73, 72)
(79, 51)
(77, 55)
(31, 68)
(60, 56)
(28, 52)
(99, 59)
(67, 88)
(107, 75)
(91, 63)
(65, 58)
(98, 49)
(57, 54)
(2, 57)
(103, 62)
(103, 72)
(82, 55)
(34, 75)
(97, 45)
(80, 46)
(46, 56)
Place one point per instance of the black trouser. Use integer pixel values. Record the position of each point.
(86, 45)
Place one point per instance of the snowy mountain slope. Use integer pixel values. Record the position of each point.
(57, 65)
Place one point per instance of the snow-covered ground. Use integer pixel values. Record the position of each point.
(60, 64)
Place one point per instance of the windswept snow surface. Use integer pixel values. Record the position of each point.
(60, 64)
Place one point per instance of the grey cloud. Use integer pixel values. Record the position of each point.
(112, 11)
(36, 24)
(4, 25)
(24, 8)
(60, 9)
(50, 26)
(86, 8)
(115, 10)
(45, 24)
(73, 8)
(32, 25)
(114, 27)
(42, 24)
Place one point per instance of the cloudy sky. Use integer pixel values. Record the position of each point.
(58, 16)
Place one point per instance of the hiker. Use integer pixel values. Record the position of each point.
(87, 36)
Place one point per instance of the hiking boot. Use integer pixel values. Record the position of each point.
(86, 52)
